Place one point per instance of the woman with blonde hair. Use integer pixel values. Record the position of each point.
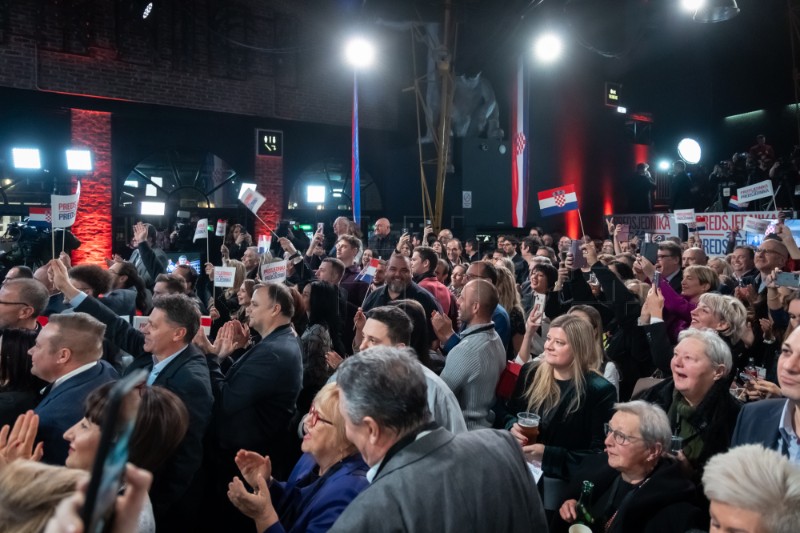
(509, 299)
(30, 492)
(572, 400)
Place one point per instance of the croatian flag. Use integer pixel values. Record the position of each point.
(700, 223)
(735, 204)
(39, 216)
(519, 147)
(355, 192)
(559, 200)
(264, 243)
(368, 273)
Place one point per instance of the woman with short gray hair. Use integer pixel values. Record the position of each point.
(754, 486)
(636, 486)
(696, 397)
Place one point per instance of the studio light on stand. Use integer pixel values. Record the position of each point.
(26, 158)
(79, 160)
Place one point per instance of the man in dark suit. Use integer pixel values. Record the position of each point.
(775, 424)
(256, 398)
(415, 465)
(67, 355)
(669, 264)
(163, 348)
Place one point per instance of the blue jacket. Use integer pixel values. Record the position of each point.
(63, 406)
(314, 507)
(758, 424)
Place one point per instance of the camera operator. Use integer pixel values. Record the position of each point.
(784, 174)
(722, 185)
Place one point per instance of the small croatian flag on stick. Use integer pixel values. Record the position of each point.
(559, 200)
(222, 227)
(368, 273)
(734, 203)
(39, 216)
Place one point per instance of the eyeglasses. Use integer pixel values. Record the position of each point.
(620, 438)
(313, 417)
(664, 256)
(15, 303)
(765, 251)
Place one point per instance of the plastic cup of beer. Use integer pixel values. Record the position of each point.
(579, 528)
(529, 424)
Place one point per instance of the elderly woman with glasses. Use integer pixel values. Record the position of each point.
(696, 397)
(329, 475)
(637, 488)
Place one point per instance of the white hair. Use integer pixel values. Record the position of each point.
(759, 480)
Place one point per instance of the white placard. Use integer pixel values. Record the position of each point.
(684, 216)
(756, 225)
(275, 272)
(762, 189)
(140, 321)
(223, 276)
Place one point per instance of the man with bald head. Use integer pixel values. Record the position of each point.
(67, 354)
(473, 367)
(21, 302)
(694, 256)
(382, 243)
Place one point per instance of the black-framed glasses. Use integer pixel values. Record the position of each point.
(313, 417)
(15, 303)
(619, 437)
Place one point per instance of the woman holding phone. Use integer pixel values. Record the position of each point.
(161, 424)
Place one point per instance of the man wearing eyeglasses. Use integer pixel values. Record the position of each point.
(669, 264)
(770, 255)
(21, 302)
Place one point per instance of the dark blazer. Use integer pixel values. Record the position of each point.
(187, 376)
(255, 399)
(676, 281)
(314, 507)
(758, 424)
(62, 408)
(473, 481)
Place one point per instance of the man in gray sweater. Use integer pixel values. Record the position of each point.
(473, 367)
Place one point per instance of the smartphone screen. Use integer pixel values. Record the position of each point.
(320, 227)
(656, 278)
(119, 420)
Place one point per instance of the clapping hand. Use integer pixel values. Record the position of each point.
(17, 442)
(442, 326)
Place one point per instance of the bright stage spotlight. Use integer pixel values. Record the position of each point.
(664, 165)
(359, 52)
(689, 150)
(315, 194)
(147, 10)
(716, 11)
(79, 160)
(692, 5)
(153, 208)
(27, 158)
(548, 48)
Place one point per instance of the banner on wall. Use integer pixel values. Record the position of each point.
(713, 228)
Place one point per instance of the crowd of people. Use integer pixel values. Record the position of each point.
(412, 383)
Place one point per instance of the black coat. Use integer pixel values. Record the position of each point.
(568, 438)
(666, 503)
(187, 376)
(714, 419)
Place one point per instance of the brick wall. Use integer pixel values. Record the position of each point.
(269, 181)
(92, 130)
(198, 54)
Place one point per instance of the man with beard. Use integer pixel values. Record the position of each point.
(399, 286)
